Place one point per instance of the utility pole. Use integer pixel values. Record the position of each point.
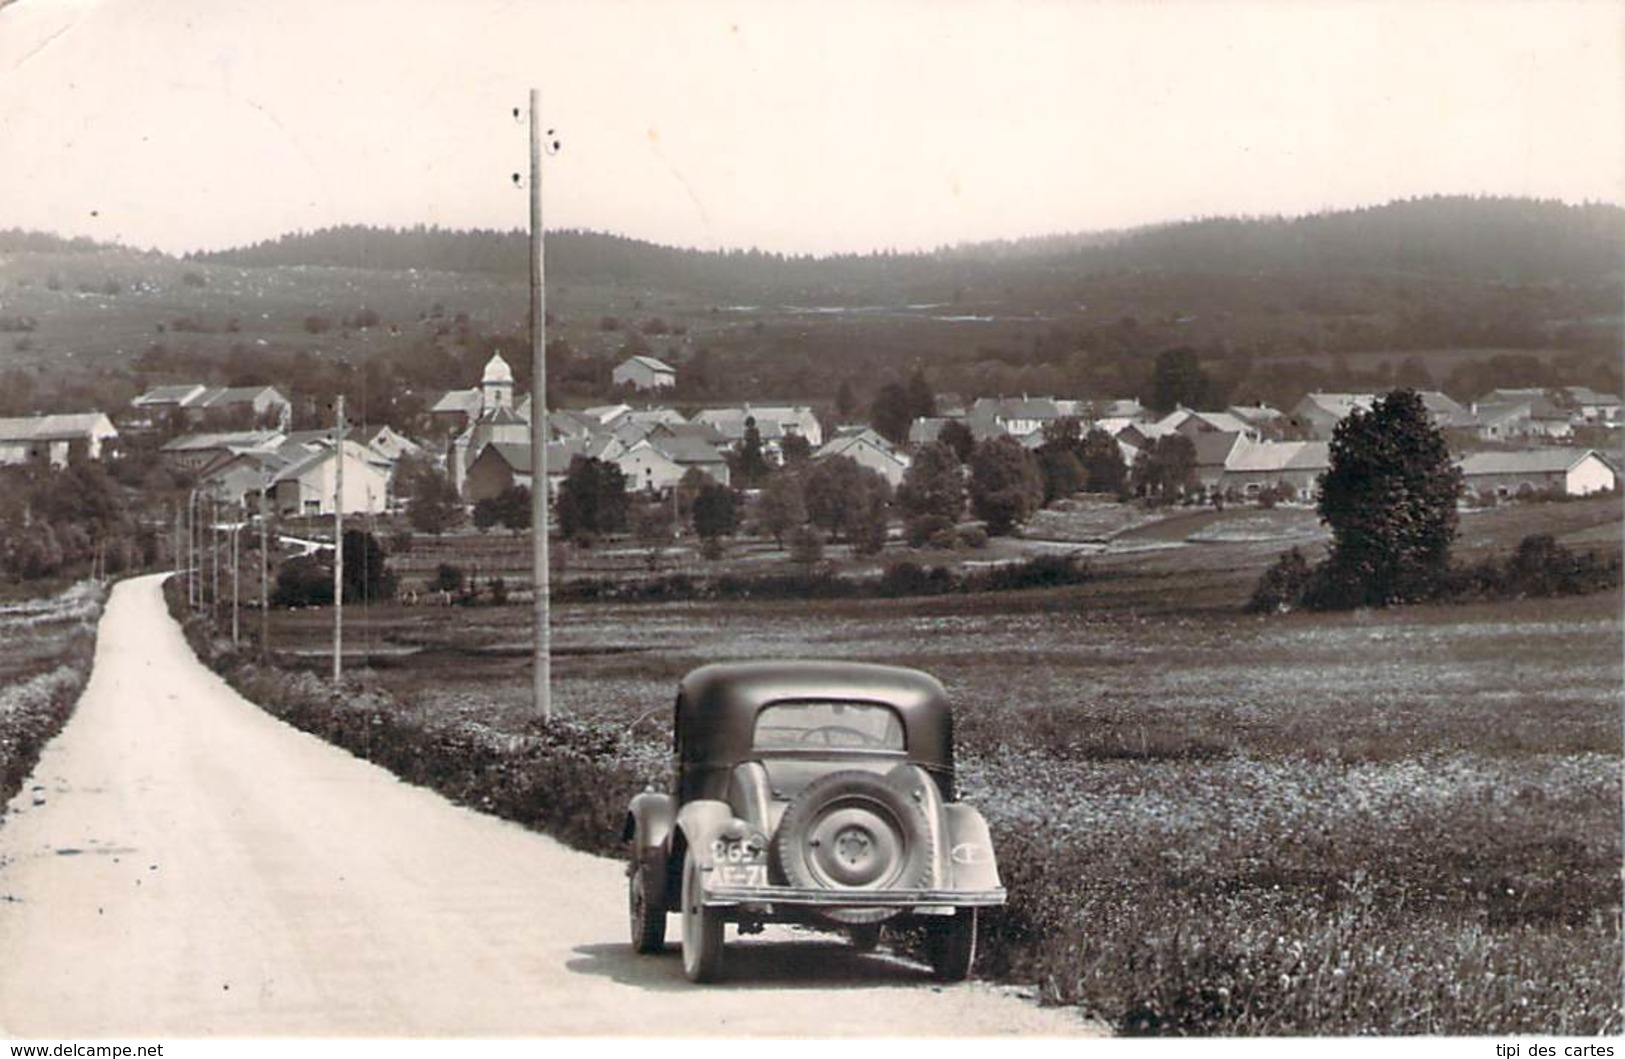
(214, 550)
(191, 549)
(542, 650)
(236, 568)
(338, 543)
(265, 587)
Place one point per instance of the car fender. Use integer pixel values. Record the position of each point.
(648, 826)
(970, 849)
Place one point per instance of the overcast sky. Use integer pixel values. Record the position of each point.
(800, 127)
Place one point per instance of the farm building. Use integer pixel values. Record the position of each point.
(1015, 416)
(1591, 406)
(773, 422)
(870, 450)
(196, 404)
(500, 466)
(307, 486)
(193, 452)
(1570, 472)
(658, 463)
(1253, 467)
(238, 478)
(644, 373)
(1318, 414)
(55, 440)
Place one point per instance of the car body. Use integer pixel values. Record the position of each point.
(810, 792)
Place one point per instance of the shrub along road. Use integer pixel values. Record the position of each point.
(197, 868)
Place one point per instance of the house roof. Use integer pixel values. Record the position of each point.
(844, 444)
(300, 465)
(57, 427)
(1529, 461)
(1263, 457)
(175, 395)
(222, 397)
(685, 450)
(243, 439)
(1015, 408)
(1213, 448)
(1585, 395)
(651, 363)
(515, 454)
(466, 402)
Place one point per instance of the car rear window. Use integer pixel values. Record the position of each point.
(827, 726)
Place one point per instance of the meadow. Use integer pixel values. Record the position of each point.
(46, 648)
(1210, 823)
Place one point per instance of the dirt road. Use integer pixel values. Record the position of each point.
(183, 865)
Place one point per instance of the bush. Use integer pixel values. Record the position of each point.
(304, 581)
(926, 529)
(972, 537)
(447, 578)
(1282, 586)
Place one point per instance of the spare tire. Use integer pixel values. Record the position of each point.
(855, 831)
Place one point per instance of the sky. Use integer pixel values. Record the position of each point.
(816, 128)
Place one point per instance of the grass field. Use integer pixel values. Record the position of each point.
(46, 645)
(1374, 822)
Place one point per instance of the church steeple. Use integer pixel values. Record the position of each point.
(496, 388)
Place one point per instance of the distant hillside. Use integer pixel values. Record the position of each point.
(1483, 239)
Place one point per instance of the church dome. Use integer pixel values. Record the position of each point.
(497, 370)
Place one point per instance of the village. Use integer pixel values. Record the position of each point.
(236, 447)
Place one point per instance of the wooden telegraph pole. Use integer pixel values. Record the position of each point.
(338, 544)
(541, 653)
(265, 571)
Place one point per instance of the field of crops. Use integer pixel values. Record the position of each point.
(1390, 822)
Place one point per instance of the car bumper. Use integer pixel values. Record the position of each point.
(923, 902)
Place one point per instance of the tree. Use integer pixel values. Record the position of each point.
(716, 511)
(367, 576)
(845, 497)
(1389, 496)
(1166, 467)
(1104, 468)
(922, 400)
(781, 507)
(1178, 380)
(592, 499)
(933, 487)
(749, 466)
(1005, 485)
(795, 449)
(892, 413)
(434, 506)
(510, 508)
(845, 401)
(957, 436)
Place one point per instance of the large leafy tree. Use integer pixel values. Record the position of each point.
(1103, 465)
(1006, 485)
(781, 507)
(592, 498)
(1178, 379)
(846, 498)
(1389, 497)
(716, 511)
(933, 485)
(1166, 467)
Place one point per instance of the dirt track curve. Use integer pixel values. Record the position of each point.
(183, 865)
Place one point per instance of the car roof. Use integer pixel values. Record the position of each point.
(717, 704)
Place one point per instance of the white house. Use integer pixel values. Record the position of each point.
(307, 486)
(658, 462)
(57, 440)
(870, 450)
(1572, 472)
(773, 422)
(644, 373)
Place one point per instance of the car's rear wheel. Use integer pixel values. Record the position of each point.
(855, 831)
(952, 946)
(646, 908)
(702, 928)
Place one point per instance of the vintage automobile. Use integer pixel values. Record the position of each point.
(810, 792)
